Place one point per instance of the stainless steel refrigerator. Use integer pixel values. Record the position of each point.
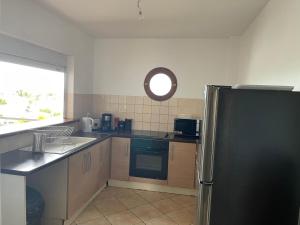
(249, 162)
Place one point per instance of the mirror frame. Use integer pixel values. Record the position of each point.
(154, 72)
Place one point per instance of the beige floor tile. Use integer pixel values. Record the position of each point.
(151, 196)
(146, 212)
(109, 206)
(124, 193)
(88, 214)
(161, 221)
(166, 206)
(133, 201)
(170, 195)
(124, 218)
(99, 221)
(182, 217)
(106, 193)
(184, 200)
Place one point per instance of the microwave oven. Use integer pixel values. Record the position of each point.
(187, 127)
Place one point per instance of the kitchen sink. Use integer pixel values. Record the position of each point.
(61, 145)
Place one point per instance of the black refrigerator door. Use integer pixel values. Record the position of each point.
(256, 171)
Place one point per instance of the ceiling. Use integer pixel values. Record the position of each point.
(162, 18)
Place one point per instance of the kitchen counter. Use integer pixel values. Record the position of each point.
(23, 163)
(142, 134)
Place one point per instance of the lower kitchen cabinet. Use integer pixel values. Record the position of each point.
(104, 162)
(120, 156)
(83, 178)
(182, 163)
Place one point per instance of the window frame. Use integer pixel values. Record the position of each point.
(154, 72)
(19, 60)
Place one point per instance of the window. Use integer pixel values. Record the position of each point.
(29, 93)
(160, 84)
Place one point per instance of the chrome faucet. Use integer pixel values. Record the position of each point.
(39, 142)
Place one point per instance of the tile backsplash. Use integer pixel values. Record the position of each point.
(147, 114)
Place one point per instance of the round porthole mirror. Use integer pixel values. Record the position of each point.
(160, 84)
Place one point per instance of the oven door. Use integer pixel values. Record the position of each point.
(149, 163)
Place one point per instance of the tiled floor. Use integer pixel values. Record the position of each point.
(121, 206)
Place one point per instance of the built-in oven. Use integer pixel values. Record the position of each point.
(149, 158)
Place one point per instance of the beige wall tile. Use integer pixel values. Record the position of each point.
(147, 100)
(163, 110)
(138, 108)
(173, 110)
(138, 125)
(171, 118)
(190, 106)
(114, 99)
(107, 98)
(130, 100)
(163, 119)
(138, 117)
(164, 103)
(98, 105)
(146, 126)
(155, 126)
(107, 107)
(154, 118)
(129, 108)
(130, 115)
(170, 127)
(122, 99)
(114, 108)
(120, 115)
(146, 118)
(146, 108)
(153, 102)
(82, 105)
(173, 102)
(139, 100)
(163, 127)
(122, 108)
(155, 109)
(147, 114)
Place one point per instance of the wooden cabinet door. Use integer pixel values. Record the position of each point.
(107, 146)
(181, 168)
(94, 168)
(120, 156)
(78, 177)
(104, 162)
(83, 178)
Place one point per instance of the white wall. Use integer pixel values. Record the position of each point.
(270, 49)
(122, 64)
(27, 20)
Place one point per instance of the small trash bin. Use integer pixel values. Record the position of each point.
(34, 206)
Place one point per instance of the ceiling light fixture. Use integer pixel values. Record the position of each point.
(140, 10)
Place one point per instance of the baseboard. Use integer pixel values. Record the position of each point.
(151, 187)
(73, 218)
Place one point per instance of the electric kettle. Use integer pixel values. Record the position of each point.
(87, 124)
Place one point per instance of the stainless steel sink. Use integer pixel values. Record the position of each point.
(61, 145)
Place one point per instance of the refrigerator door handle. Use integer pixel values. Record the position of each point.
(206, 156)
(206, 183)
(209, 133)
(204, 204)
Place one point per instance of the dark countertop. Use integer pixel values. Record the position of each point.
(24, 163)
(143, 134)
